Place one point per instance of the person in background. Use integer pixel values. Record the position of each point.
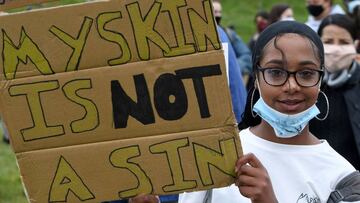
(237, 88)
(352, 7)
(242, 52)
(281, 12)
(342, 86)
(262, 21)
(318, 10)
(285, 162)
(5, 132)
(353, 10)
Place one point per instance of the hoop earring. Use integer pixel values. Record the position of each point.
(252, 103)
(327, 107)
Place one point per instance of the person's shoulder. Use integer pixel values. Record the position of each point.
(337, 9)
(222, 35)
(246, 136)
(334, 159)
(336, 166)
(221, 30)
(230, 31)
(309, 20)
(355, 75)
(245, 132)
(313, 23)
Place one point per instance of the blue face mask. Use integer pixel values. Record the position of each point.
(285, 126)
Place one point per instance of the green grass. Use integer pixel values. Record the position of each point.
(11, 190)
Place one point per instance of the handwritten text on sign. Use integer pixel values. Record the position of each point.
(126, 97)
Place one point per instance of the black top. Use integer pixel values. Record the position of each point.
(339, 129)
(336, 129)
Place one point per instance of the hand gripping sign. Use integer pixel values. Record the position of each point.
(110, 99)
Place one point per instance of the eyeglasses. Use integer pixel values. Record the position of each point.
(279, 76)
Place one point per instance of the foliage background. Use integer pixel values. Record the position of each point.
(241, 13)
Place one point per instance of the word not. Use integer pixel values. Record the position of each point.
(170, 98)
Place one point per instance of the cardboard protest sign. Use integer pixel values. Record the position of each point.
(111, 99)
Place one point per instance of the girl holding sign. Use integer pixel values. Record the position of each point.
(286, 162)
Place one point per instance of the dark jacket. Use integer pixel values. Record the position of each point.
(352, 98)
(342, 127)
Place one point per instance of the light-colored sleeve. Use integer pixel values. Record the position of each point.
(192, 197)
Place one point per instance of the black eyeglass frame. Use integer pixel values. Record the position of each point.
(289, 73)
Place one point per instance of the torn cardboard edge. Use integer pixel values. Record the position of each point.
(4, 83)
(221, 129)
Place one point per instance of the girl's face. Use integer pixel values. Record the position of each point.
(339, 47)
(292, 52)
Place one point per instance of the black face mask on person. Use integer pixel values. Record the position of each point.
(315, 10)
(218, 19)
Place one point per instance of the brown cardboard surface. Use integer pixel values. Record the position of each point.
(127, 97)
(103, 33)
(120, 169)
(49, 109)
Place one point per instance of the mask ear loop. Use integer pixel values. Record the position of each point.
(252, 103)
(327, 107)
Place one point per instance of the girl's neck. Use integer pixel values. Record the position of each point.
(265, 131)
